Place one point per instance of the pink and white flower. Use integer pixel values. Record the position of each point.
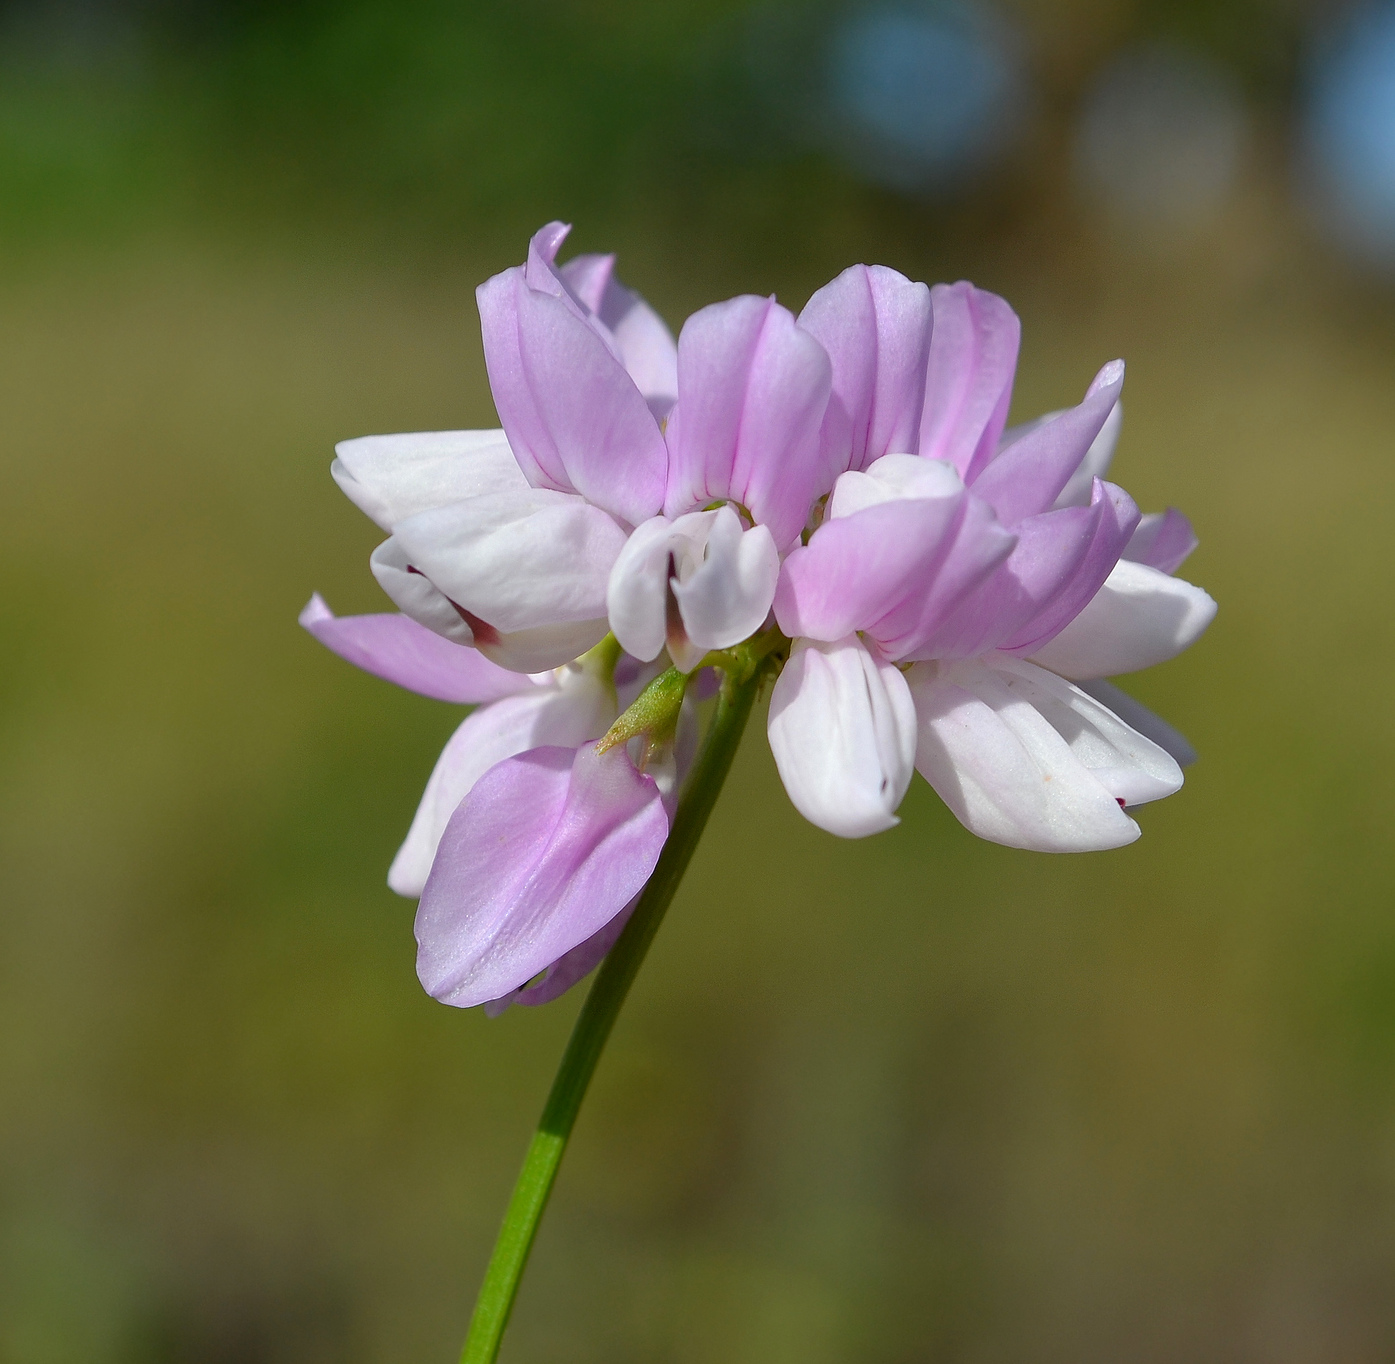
(954, 595)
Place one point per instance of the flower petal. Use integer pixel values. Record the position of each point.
(400, 650)
(752, 389)
(1028, 475)
(728, 595)
(1096, 463)
(1138, 618)
(894, 570)
(416, 596)
(1024, 758)
(1137, 716)
(574, 418)
(544, 851)
(875, 325)
(393, 477)
(645, 343)
(1163, 541)
(530, 650)
(577, 707)
(1117, 517)
(1049, 551)
(517, 560)
(637, 592)
(973, 355)
(892, 478)
(842, 728)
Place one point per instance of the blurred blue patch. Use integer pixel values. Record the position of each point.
(922, 97)
(1348, 145)
(1160, 137)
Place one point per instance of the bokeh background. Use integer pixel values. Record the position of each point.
(912, 1099)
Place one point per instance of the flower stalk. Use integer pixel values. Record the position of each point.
(751, 665)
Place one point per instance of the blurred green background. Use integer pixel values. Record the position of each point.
(918, 1098)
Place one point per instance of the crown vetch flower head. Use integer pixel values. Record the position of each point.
(830, 500)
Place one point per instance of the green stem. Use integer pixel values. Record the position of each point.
(597, 1017)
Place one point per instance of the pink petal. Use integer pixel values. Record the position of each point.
(398, 649)
(973, 355)
(1118, 516)
(875, 325)
(645, 343)
(752, 389)
(573, 416)
(547, 848)
(1028, 475)
(1163, 541)
(894, 571)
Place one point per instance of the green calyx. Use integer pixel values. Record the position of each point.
(654, 712)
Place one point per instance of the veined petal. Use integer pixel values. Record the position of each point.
(973, 356)
(517, 560)
(574, 418)
(575, 707)
(1163, 541)
(1028, 475)
(392, 477)
(842, 728)
(1140, 617)
(1024, 758)
(400, 650)
(752, 389)
(875, 325)
(544, 851)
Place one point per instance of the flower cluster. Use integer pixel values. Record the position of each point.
(946, 595)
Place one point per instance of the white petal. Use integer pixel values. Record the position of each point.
(522, 651)
(393, 477)
(541, 648)
(893, 478)
(415, 596)
(842, 729)
(1024, 758)
(1140, 617)
(576, 708)
(637, 593)
(728, 594)
(1137, 716)
(517, 560)
(722, 581)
